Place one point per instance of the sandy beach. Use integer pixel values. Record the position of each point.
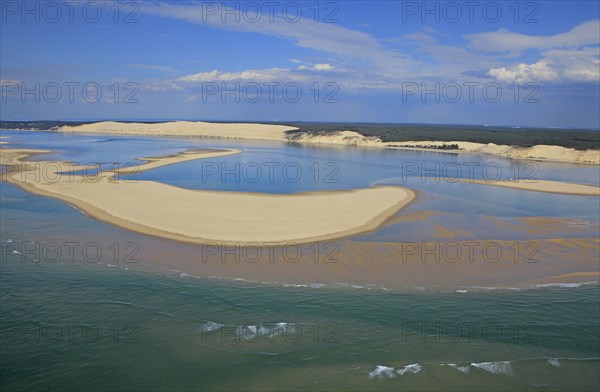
(208, 216)
(343, 137)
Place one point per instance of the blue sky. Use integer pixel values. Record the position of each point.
(489, 62)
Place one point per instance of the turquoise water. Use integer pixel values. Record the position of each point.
(83, 328)
(138, 320)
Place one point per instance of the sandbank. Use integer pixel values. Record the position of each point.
(199, 216)
(560, 187)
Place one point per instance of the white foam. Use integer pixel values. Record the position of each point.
(209, 326)
(463, 369)
(491, 288)
(462, 291)
(554, 362)
(8, 241)
(354, 286)
(248, 332)
(280, 328)
(502, 367)
(382, 372)
(252, 332)
(413, 368)
(184, 275)
(565, 285)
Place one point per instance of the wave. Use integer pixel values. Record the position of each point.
(504, 368)
(413, 368)
(554, 362)
(467, 289)
(462, 369)
(253, 332)
(565, 285)
(377, 287)
(383, 372)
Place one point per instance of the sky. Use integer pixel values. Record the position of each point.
(526, 63)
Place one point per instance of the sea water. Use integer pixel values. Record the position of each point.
(130, 320)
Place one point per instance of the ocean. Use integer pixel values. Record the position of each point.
(88, 306)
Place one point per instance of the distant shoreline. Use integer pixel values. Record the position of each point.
(285, 133)
(271, 132)
(522, 136)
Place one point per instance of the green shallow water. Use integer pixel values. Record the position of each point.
(68, 327)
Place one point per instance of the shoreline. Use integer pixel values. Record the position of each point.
(271, 132)
(171, 212)
(378, 262)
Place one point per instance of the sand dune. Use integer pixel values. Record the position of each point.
(348, 138)
(186, 128)
(539, 152)
(344, 137)
(209, 216)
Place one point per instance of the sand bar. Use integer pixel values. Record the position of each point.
(565, 188)
(199, 216)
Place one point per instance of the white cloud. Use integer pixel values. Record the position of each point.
(280, 75)
(556, 66)
(362, 61)
(316, 67)
(587, 33)
(522, 73)
(251, 75)
(326, 37)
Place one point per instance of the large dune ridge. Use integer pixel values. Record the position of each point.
(186, 128)
(199, 216)
(274, 132)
